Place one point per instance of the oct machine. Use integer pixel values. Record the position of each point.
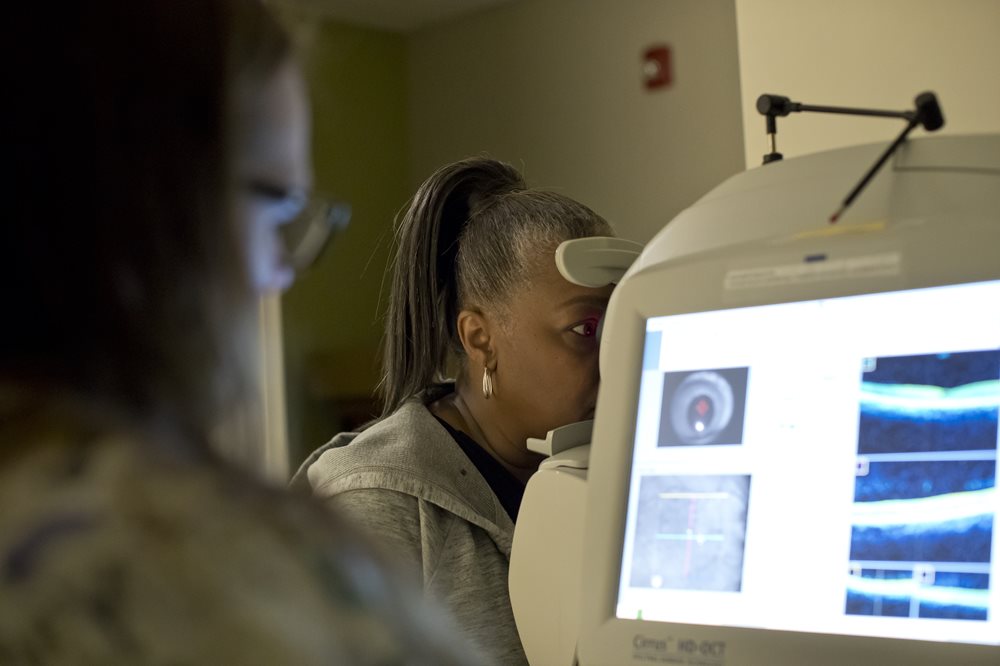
(794, 454)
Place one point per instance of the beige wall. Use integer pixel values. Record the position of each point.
(867, 53)
(554, 86)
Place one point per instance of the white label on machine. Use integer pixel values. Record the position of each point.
(813, 269)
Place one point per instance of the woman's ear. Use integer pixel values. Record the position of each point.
(475, 333)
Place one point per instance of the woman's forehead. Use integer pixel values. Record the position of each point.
(546, 287)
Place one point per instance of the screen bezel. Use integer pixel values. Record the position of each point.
(639, 298)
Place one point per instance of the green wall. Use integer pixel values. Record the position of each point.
(332, 325)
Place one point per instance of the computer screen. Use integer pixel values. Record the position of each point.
(826, 466)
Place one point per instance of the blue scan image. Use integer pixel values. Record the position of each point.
(899, 593)
(957, 596)
(925, 494)
(924, 512)
(877, 592)
(909, 480)
(933, 402)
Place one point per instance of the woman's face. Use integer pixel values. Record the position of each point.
(547, 355)
(275, 171)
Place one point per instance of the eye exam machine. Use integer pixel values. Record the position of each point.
(794, 453)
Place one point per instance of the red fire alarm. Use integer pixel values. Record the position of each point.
(656, 67)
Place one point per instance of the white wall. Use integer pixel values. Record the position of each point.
(554, 86)
(867, 53)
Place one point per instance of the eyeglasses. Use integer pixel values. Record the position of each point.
(312, 221)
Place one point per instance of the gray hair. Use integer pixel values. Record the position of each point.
(474, 233)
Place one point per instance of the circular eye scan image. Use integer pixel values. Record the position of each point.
(703, 407)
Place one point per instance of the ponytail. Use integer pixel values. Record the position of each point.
(424, 299)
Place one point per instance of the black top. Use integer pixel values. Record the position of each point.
(504, 485)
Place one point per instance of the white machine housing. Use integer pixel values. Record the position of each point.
(930, 219)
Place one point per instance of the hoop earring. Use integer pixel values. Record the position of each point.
(487, 383)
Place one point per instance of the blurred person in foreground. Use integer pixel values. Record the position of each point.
(155, 149)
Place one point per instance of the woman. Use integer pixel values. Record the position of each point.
(476, 293)
(159, 146)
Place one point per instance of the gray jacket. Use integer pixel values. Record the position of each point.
(407, 481)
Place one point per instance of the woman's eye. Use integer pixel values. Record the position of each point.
(284, 203)
(286, 209)
(586, 329)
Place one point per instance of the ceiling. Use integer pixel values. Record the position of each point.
(393, 15)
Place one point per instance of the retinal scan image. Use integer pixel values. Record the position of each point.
(703, 407)
(926, 483)
(690, 532)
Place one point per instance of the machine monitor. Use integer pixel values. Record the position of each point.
(794, 457)
(844, 483)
